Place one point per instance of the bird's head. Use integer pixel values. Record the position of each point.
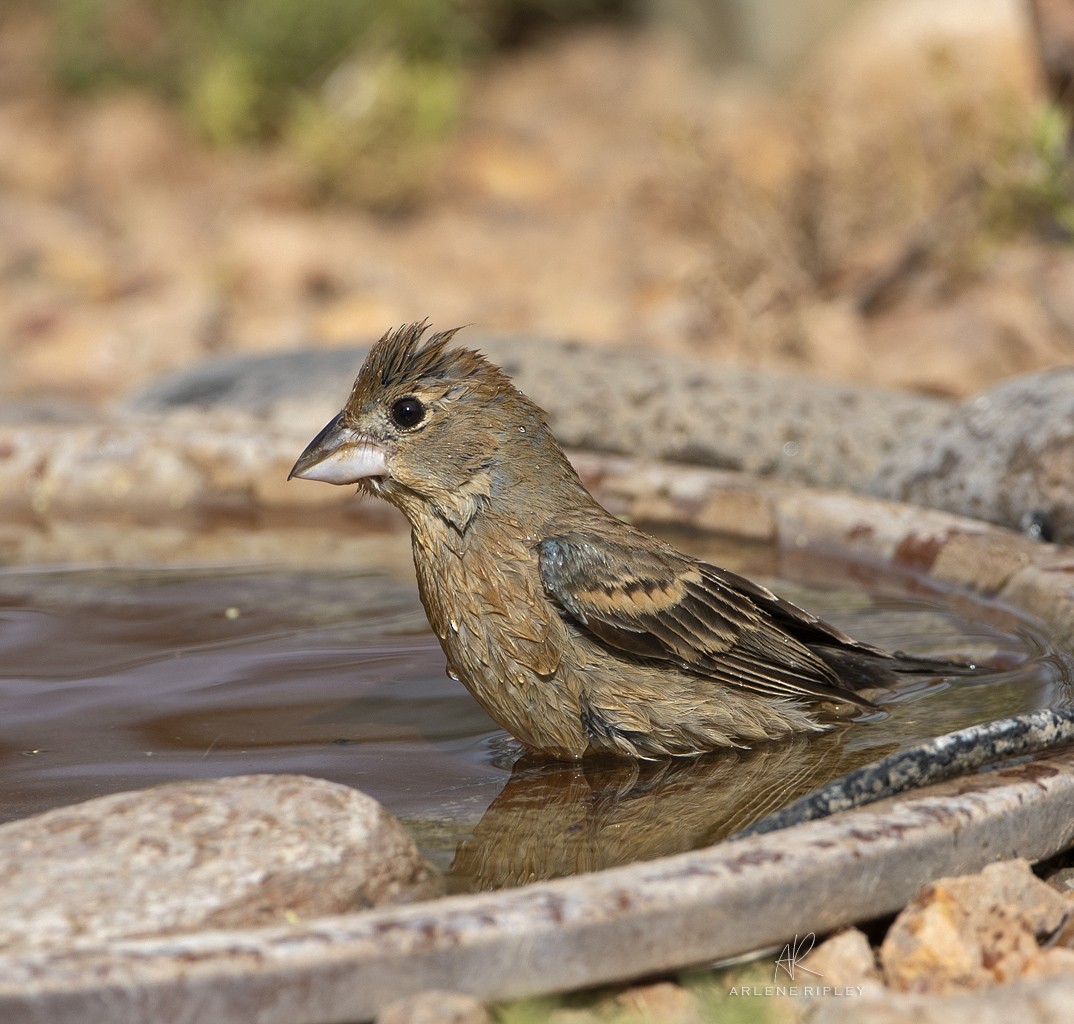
(430, 427)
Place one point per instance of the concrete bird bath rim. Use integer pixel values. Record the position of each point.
(647, 917)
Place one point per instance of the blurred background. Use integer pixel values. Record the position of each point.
(871, 190)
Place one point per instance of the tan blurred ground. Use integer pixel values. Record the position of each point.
(605, 186)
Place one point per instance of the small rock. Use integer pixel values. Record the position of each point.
(969, 932)
(1040, 1001)
(847, 960)
(663, 1001)
(435, 1007)
(228, 853)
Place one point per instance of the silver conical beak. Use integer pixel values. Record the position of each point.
(339, 454)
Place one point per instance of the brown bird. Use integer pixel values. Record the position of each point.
(576, 632)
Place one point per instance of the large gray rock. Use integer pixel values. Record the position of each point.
(1006, 456)
(228, 853)
(797, 427)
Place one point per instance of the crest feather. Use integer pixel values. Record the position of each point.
(400, 359)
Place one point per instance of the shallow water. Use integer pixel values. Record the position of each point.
(115, 679)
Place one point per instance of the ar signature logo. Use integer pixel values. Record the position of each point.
(792, 953)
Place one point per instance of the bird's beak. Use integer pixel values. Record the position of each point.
(340, 454)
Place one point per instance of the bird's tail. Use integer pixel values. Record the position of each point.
(861, 669)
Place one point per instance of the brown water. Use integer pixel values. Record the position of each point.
(115, 679)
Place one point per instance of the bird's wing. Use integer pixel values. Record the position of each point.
(656, 603)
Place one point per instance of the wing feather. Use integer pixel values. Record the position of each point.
(657, 603)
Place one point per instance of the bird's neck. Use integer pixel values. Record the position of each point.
(456, 508)
(495, 499)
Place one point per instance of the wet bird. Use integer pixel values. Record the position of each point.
(576, 632)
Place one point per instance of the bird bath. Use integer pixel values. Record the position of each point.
(233, 670)
(122, 678)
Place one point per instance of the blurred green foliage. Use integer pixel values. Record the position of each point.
(1031, 185)
(342, 82)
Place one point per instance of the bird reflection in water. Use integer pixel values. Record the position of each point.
(554, 819)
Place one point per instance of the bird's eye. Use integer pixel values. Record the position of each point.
(408, 412)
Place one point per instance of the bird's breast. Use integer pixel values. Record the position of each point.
(502, 636)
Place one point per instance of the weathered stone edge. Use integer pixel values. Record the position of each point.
(610, 926)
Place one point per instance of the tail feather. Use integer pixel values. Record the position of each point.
(861, 669)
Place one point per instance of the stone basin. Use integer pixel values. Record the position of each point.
(549, 936)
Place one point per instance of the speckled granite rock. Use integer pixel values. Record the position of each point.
(1001, 456)
(229, 853)
(799, 428)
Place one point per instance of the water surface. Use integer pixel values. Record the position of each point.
(116, 679)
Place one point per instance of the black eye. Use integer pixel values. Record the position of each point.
(408, 412)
